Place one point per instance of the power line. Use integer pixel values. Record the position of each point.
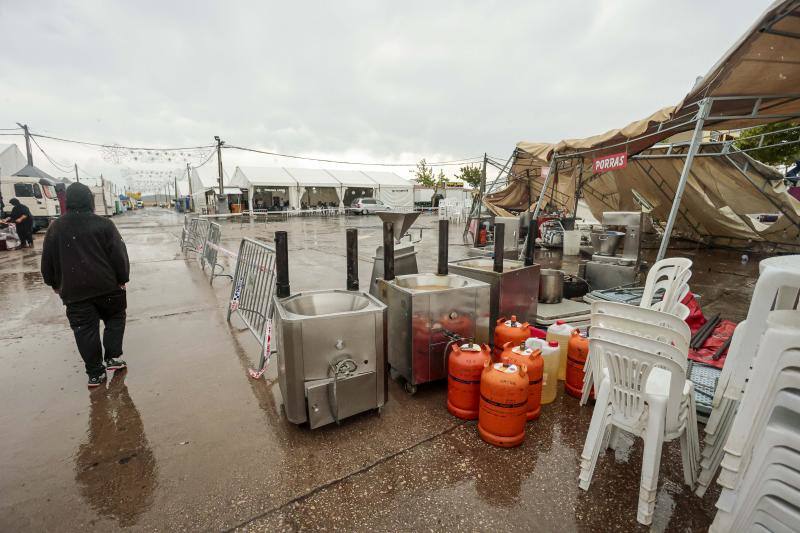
(320, 160)
(56, 165)
(100, 145)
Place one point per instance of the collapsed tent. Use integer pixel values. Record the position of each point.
(709, 198)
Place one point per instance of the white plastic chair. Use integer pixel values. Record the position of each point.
(777, 367)
(672, 275)
(656, 410)
(777, 288)
(636, 315)
(773, 473)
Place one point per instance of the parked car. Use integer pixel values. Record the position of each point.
(365, 206)
(139, 204)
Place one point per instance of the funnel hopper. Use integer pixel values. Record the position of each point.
(401, 221)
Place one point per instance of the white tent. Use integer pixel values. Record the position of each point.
(205, 184)
(355, 184)
(394, 191)
(315, 186)
(267, 187)
(12, 159)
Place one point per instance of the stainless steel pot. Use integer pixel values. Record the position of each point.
(551, 286)
(606, 242)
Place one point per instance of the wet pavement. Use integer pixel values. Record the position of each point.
(185, 440)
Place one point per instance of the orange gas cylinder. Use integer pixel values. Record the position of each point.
(464, 367)
(577, 351)
(532, 359)
(509, 331)
(504, 401)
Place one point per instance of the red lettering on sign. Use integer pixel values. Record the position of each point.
(609, 162)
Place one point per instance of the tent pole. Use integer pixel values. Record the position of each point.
(697, 137)
(535, 216)
(550, 174)
(578, 189)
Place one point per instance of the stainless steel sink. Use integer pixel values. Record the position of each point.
(431, 282)
(514, 290)
(325, 303)
(332, 355)
(425, 313)
(488, 264)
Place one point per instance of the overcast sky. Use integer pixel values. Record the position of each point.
(375, 81)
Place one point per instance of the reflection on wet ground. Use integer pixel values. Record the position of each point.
(115, 468)
(206, 448)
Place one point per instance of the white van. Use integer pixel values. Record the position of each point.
(36, 193)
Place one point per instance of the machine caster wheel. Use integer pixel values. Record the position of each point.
(410, 387)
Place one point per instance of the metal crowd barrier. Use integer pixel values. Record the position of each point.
(210, 253)
(195, 235)
(251, 294)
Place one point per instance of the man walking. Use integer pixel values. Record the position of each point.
(22, 217)
(85, 261)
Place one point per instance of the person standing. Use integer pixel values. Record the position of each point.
(22, 217)
(84, 260)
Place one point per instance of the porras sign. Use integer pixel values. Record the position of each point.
(609, 162)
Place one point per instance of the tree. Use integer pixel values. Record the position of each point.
(471, 175)
(426, 177)
(424, 174)
(782, 154)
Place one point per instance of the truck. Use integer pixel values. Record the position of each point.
(38, 194)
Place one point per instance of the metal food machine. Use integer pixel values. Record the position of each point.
(514, 285)
(331, 346)
(428, 312)
(405, 256)
(607, 269)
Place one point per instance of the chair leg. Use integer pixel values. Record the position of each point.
(593, 446)
(651, 464)
(598, 427)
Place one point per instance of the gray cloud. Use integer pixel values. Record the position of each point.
(366, 80)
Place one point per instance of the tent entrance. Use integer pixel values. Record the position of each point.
(319, 197)
(352, 193)
(270, 198)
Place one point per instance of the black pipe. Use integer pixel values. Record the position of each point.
(499, 244)
(352, 259)
(282, 265)
(530, 242)
(388, 251)
(721, 349)
(444, 242)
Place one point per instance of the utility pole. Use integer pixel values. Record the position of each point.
(191, 193)
(103, 190)
(76, 173)
(222, 203)
(176, 189)
(27, 142)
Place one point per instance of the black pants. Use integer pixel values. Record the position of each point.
(84, 319)
(25, 233)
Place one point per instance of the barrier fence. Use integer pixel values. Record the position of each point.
(252, 295)
(194, 236)
(210, 253)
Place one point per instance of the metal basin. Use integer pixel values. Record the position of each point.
(431, 282)
(606, 243)
(488, 264)
(325, 303)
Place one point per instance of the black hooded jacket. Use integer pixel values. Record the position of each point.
(83, 254)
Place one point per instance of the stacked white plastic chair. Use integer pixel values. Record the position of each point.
(669, 275)
(760, 470)
(639, 357)
(777, 289)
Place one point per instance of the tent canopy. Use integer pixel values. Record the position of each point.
(755, 82)
(310, 177)
(266, 176)
(352, 178)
